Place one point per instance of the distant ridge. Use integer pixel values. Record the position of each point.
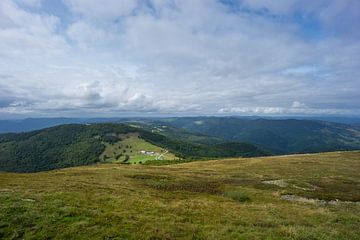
(31, 124)
(281, 136)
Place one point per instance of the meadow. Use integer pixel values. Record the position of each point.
(131, 145)
(242, 198)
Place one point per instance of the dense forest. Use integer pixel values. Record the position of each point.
(285, 136)
(80, 144)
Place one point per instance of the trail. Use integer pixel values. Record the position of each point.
(161, 155)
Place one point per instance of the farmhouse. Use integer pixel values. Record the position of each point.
(151, 153)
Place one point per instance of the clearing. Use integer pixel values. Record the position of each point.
(137, 149)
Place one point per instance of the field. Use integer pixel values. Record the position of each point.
(311, 196)
(131, 145)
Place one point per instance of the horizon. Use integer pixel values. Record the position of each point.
(327, 118)
(75, 58)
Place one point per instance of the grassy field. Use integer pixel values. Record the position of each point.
(131, 145)
(219, 199)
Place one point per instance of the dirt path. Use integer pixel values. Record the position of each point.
(161, 155)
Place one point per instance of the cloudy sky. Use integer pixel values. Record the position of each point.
(179, 57)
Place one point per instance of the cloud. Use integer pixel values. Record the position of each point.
(25, 34)
(85, 35)
(287, 111)
(297, 104)
(179, 57)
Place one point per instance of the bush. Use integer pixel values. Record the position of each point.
(237, 196)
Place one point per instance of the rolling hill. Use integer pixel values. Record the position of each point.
(84, 144)
(279, 136)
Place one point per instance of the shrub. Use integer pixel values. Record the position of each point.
(237, 196)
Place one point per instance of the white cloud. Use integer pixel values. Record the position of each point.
(254, 110)
(25, 34)
(297, 104)
(176, 56)
(287, 111)
(85, 34)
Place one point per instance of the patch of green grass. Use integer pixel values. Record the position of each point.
(131, 145)
(237, 196)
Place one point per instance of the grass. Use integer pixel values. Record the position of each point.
(219, 199)
(237, 196)
(131, 145)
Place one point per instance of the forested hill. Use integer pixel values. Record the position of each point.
(279, 136)
(79, 144)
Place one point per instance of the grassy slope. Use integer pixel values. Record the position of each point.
(131, 145)
(185, 201)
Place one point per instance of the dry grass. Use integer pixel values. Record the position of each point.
(195, 200)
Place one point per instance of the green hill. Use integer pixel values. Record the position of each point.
(76, 144)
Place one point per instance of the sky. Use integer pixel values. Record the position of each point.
(109, 58)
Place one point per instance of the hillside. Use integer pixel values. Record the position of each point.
(279, 136)
(77, 144)
(312, 196)
(161, 127)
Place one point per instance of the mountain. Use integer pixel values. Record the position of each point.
(31, 124)
(279, 136)
(83, 144)
(158, 126)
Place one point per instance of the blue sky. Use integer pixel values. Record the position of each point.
(179, 57)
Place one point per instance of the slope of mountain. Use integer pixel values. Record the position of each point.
(76, 144)
(278, 136)
(158, 126)
(312, 196)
